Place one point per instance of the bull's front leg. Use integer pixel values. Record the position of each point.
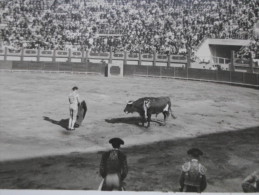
(143, 119)
(148, 120)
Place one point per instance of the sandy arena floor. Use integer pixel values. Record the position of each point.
(34, 113)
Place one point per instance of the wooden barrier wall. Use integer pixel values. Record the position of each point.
(220, 76)
(231, 77)
(87, 67)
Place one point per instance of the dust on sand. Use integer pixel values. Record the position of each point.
(213, 117)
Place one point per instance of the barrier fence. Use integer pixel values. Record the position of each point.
(222, 76)
(84, 56)
(56, 67)
(154, 70)
(153, 59)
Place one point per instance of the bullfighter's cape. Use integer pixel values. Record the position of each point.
(82, 109)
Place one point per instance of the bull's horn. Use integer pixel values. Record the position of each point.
(130, 102)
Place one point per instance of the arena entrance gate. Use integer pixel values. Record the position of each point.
(115, 68)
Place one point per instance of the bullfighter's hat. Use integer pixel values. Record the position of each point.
(116, 142)
(75, 88)
(195, 152)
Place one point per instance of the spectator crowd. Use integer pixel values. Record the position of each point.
(124, 25)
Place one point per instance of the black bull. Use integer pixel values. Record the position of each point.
(150, 105)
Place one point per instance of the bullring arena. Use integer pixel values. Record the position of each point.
(37, 152)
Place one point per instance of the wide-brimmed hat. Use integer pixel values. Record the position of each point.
(195, 152)
(75, 88)
(116, 141)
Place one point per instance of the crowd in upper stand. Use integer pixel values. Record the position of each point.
(136, 25)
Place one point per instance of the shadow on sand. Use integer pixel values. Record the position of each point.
(131, 121)
(63, 122)
(228, 156)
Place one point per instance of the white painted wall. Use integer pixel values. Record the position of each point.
(161, 64)
(204, 52)
(30, 59)
(147, 63)
(132, 62)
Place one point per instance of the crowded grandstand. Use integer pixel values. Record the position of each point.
(162, 26)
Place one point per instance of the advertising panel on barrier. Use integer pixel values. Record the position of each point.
(30, 52)
(76, 54)
(14, 52)
(147, 57)
(162, 58)
(118, 56)
(46, 52)
(60, 53)
(178, 58)
(95, 55)
(132, 56)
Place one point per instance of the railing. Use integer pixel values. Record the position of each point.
(83, 56)
(149, 59)
(220, 61)
(242, 35)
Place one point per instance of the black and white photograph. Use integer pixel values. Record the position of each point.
(129, 96)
